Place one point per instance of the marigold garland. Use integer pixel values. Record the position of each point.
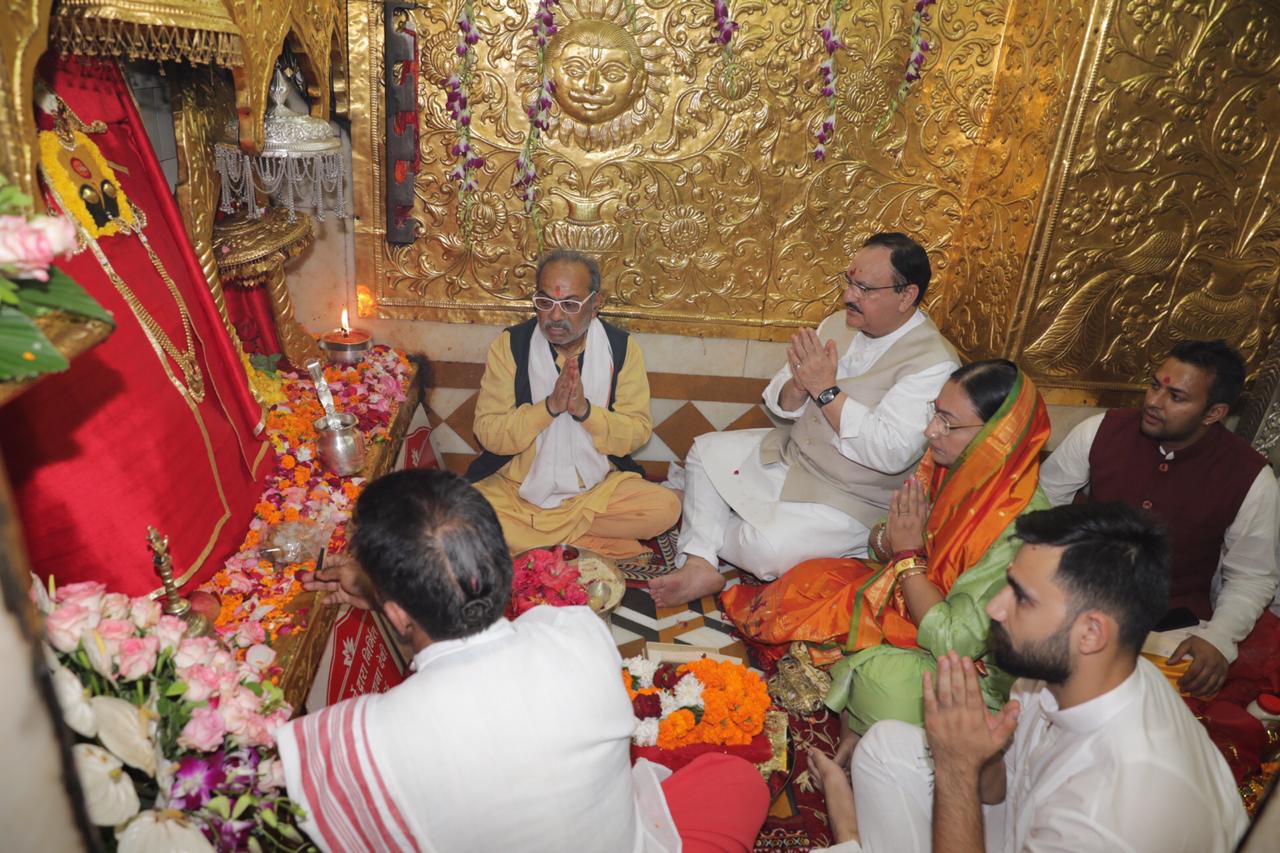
(704, 701)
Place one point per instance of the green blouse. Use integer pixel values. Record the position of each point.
(884, 682)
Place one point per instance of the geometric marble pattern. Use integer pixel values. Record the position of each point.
(683, 406)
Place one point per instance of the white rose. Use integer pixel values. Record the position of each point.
(109, 795)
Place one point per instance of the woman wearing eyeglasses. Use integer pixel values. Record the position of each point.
(941, 555)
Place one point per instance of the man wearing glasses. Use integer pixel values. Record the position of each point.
(856, 391)
(563, 400)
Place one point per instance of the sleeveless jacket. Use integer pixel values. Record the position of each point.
(1197, 494)
(521, 337)
(818, 472)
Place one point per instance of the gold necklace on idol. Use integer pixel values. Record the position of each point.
(85, 186)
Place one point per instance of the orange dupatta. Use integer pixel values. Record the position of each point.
(856, 602)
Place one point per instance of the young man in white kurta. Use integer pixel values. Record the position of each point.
(1081, 779)
(1101, 754)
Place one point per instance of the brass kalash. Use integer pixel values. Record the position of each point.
(198, 625)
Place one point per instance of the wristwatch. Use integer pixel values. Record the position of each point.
(828, 395)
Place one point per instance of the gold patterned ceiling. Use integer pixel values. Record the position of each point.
(1092, 179)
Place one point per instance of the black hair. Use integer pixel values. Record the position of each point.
(431, 543)
(1116, 560)
(1219, 358)
(987, 384)
(569, 256)
(909, 260)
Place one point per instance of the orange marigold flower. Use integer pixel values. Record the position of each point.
(674, 730)
(287, 461)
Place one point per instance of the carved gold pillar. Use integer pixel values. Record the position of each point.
(23, 37)
(252, 252)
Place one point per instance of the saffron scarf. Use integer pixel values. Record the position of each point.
(856, 603)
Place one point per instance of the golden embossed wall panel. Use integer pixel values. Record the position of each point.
(694, 183)
(1093, 178)
(22, 40)
(1017, 125)
(1163, 223)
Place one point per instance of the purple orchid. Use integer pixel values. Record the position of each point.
(915, 63)
(725, 26)
(525, 177)
(827, 77)
(196, 781)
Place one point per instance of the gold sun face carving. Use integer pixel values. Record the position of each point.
(609, 73)
(597, 69)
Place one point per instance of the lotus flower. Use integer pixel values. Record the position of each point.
(122, 728)
(162, 832)
(109, 795)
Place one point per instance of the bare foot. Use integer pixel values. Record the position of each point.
(837, 789)
(694, 579)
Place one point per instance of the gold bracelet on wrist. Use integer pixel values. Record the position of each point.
(909, 573)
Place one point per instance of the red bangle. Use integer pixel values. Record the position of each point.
(907, 555)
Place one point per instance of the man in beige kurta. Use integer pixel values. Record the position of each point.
(590, 412)
(857, 391)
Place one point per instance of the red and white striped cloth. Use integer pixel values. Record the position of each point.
(346, 798)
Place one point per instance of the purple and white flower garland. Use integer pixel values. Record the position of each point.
(539, 111)
(915, 65)
(725, 27)
(827, 73)
(457, 88)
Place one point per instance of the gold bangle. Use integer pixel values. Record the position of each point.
(919, 570)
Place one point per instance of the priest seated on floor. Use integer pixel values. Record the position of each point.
(510, 735)
(563, 401)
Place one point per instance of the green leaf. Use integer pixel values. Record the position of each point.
(255, 687)
(13, 201)
(268, 817)
(24, 350)
(220, 806)
(176, 689)
(242, 802)
(61, 292)
(8, 291)
(255, 846)
(265, 363)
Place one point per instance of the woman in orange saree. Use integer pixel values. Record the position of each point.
(942, 554)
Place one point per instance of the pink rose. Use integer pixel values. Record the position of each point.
(25, 252)
(204, 732)
(144, 612)
(193, 650)
(60, 231)
(238, 707)
(67, 624)
(115, 630)
(169, 631)
(115, 605)
(88, 593)
(249, 633)
(138, 657)
(202, 682)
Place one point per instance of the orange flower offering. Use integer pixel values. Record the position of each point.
(253, 589)
(705, 701)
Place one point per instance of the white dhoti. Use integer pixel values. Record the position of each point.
(732, 511)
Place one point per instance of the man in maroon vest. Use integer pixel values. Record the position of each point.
(1217, 495)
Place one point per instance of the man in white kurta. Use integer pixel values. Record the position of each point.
(1102, 756)
(509, 735)
(864, 379)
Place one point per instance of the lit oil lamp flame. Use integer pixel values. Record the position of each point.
(346, 325)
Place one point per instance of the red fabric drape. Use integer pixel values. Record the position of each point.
(110, 446)
(250, 311)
